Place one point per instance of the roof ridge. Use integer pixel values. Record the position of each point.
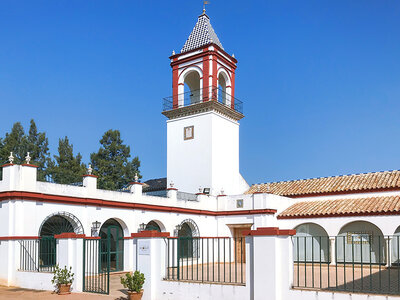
(325, 177)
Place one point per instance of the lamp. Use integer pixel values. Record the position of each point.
(142, 227)
(95, 228)
(177, 229)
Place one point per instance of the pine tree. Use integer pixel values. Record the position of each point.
(38, 146)
(15, 142)
(67, 168)
(111, 163)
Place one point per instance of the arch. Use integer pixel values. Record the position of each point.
(360, 241)
(191, 79)
(58, 218)
(155, 225)
(188, 239)
(311, 243)
(224, 87)
(112, 245)
(395, 247)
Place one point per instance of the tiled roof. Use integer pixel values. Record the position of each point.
(336, 184)
(152, 185)
(343, 207)
(202, 34)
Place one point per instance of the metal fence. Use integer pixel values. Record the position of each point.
(38, 255)
(208, 259)
(350, 262)
(203, 95)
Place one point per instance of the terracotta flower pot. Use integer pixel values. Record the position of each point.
(134, 295)
(64, 289)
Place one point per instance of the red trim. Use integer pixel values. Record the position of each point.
(221, 196)
(197, 194)
(172, 189)
(206, 48)
(90, 175)
(69, 235)
(92, 238)
(124, 205)
(7, 165)
(175, 80)
(259, 193)
(128, 237)
(30, 165)
(134, 182)
(12, 238)
(268, 231)
(149, 233)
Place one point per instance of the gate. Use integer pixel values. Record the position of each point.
(96, 266)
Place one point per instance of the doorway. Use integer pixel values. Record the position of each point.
(112, 246)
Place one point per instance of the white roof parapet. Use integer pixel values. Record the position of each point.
(202, 34)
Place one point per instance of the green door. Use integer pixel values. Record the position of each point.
(112, 248)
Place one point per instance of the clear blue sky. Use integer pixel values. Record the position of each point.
(320, 80)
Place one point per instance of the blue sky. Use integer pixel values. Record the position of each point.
(320, 80)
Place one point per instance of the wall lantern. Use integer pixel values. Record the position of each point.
(95, 228)
(142, 227)
(177, 229)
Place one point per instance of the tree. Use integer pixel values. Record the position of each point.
(37, 145)
(67, 168)
(14, 142)
(111, 163)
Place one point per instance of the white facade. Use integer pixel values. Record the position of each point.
(208, 160)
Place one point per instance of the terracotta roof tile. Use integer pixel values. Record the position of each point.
(343, 207)
(335, 184)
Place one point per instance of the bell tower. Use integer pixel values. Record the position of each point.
(203, 116)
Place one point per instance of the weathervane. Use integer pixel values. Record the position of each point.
(205, 2)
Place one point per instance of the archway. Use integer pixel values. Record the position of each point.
(311, 243)
(57, 223)
(188, 242)
(112, 245)
(395, 247)
(360, 241)
(192, 91)
(222, 96)
(154, 225)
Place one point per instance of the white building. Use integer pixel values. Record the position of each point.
(350, 219)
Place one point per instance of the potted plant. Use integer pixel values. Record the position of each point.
(63, 279)
(134, 284)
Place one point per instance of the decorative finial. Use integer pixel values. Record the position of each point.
(171, 184)
(222, 191)
(258, 188)
(90, 169)
(173, 52)
(233, 55)
(27, 158)
(200, 190)
(11, 158)
(136, 177)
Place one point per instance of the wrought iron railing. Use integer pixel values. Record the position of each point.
(353, 262)
(202, 95)
(206, 260)
(38, 255)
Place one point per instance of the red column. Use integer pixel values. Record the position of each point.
(233, 89)
(214, 78)
(175, 86)
(206, 74)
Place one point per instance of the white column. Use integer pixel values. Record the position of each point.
(90, 182)
(271, 249)
(150, 260)
(70, 254)
(136, 188)
(28, 177)
(172, 193)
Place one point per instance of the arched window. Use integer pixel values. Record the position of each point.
(311, 244)
(188, 242)
(192, 92)
(395, 247)
(153, 225)
(222, 96)
(60, 222)
(360, 241)
(112, 245)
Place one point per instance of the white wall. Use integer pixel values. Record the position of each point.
(210, 159)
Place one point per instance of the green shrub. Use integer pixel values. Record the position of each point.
(133, 283)
(62, 276)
